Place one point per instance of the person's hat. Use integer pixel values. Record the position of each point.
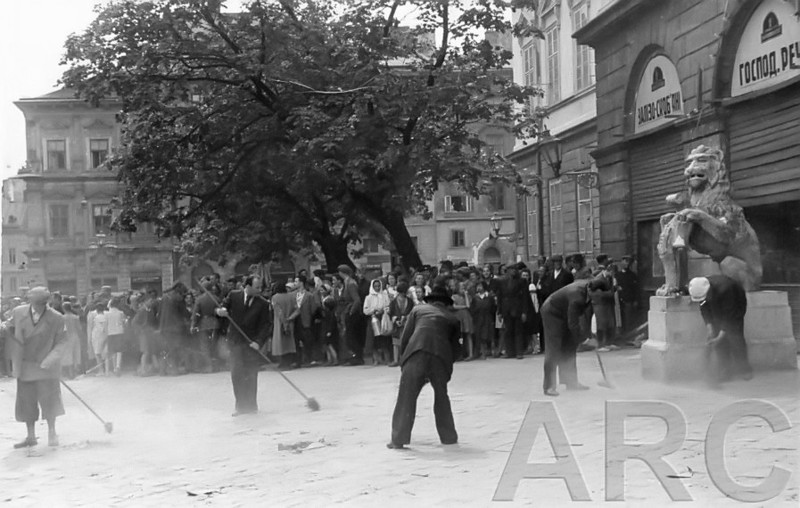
(698, 289)
(599, 283)
(512, 264)
(345, 270)
(557, 257)
(522, 266)
(39, 294)
(439, 294)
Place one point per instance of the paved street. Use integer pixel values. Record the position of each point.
(175, 443)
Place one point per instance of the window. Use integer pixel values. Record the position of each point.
(556, 219)
(457, 238)
(529, 71)
(101, 215)
(12, 256)
(369, 245)
(553, 71)
(59, 221)
(98, 152)
(56, 154)
(583, 58)
(497, 198)
(457, 203)
(585, 219)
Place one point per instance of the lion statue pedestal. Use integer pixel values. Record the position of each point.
(707, 234)
(676, 345)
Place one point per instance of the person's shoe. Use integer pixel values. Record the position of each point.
(26, 443)
(551, 392)
(747, 376)
(577, 387)
(520, 357)
(394, 446)
(52, 440)
(603, 349)
(394, 364)
(455, 441)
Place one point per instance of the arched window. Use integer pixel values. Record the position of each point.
(771, 28)
(658, 79)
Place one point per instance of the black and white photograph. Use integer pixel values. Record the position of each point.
(359, 253)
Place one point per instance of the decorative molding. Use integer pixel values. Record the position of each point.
(98, 125)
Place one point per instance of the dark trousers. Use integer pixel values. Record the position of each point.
(728, 358)
(560, 353)
(514, 335)
(33, 394)
(420, 368)
(244, 376)
(355, 333)
(209, 348)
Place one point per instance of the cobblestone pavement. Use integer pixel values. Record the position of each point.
(175, 443)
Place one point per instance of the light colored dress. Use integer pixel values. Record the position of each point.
(72, 354)
(283, 306)
(99, 335)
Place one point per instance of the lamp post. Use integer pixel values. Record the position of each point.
(550, 149)
(496, 224)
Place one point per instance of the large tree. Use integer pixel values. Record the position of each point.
(290, 123)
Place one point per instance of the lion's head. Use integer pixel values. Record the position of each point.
(706, 174)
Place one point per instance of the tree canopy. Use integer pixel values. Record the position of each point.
(296, 122)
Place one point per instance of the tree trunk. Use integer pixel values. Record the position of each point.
(335, 251)
(395, 225)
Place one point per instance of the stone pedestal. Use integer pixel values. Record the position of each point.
(677, 336)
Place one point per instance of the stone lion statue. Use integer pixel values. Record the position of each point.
(710, 222)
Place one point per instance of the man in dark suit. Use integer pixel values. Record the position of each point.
(562, 314)
(428, 346)
(723, 304)
(251, 314)
(511, 299)
(205, 323)
(554, 278)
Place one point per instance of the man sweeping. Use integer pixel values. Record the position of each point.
(428, 347)
(723, 304)
(39, 341)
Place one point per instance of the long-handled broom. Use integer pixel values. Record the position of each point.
(311, 402)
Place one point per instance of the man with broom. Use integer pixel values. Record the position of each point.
(428, 347)
(38, 342)
(251, 315)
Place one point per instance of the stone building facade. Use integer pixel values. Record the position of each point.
(673, 75)
(69, 204)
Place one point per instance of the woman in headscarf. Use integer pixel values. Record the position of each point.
(376, 305)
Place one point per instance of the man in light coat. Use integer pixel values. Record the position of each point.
(38, 342)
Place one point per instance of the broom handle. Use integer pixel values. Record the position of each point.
(68, 387)
(251, 341)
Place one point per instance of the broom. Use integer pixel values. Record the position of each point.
(311, 402)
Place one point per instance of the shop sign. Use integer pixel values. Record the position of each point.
(658, 98)
(769, 50)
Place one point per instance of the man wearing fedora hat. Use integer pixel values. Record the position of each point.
(37, 345)
(723, 304)
(428, 347)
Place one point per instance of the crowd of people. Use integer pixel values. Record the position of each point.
(340, 318)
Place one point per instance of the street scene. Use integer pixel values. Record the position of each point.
(378, 252)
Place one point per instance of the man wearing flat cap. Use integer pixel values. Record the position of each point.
(723, 304)
(38, 343)
(428, 345)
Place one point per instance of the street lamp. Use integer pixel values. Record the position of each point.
(550, 148)
(496, 223)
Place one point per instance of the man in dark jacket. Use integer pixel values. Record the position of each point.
(723, 304)
(428, 347)
(251, 313)
(562, 314)
(205, 322)
(511, 299)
